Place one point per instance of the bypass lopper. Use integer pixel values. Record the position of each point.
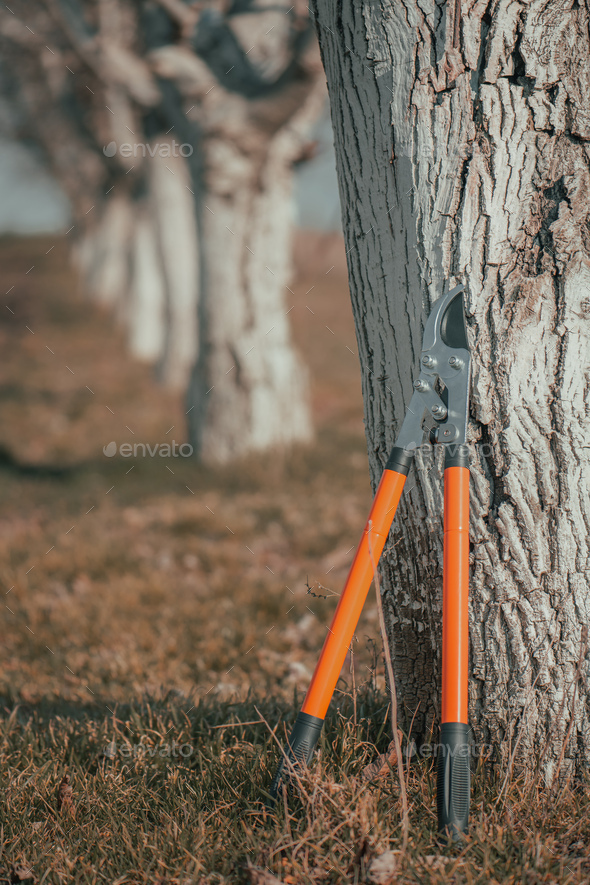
(438, 409)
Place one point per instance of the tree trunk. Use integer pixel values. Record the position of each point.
(250, 389)
(178, 252)
(148, 295)
(462, 150)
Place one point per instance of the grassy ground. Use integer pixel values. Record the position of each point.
(161, 622)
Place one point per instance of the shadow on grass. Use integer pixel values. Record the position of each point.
(315, 466)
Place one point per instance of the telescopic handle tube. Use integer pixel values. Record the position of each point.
(453, 780)
(308, 726)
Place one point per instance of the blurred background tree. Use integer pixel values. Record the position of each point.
(174, 129)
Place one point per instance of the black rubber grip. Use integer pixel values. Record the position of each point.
(400, 460)
(457, 456)
(453, 783)
(302, 743)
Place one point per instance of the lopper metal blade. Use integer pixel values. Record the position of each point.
(441, 391)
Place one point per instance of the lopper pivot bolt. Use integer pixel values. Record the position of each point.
(440, 399)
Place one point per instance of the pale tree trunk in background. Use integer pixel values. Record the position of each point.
(463, 154)
(147, 303)
(174, 130)
(173, 209)
(250, 389)
(104, 258)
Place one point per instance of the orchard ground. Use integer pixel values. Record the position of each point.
(161, 621)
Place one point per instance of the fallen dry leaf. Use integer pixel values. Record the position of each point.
(259, 876)
(21, 873)
(435, 861)
(439, 861)
(381, 766)
(65, 797)
(383, 868)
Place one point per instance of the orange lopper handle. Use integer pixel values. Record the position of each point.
(308, 726)
(455, 596)
(354, 594)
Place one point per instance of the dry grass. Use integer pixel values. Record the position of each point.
(135, 814)
(141, 618)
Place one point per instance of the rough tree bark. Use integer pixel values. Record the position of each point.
(463, 146)
(174, 130)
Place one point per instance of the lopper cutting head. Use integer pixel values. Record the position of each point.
(441, 392)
